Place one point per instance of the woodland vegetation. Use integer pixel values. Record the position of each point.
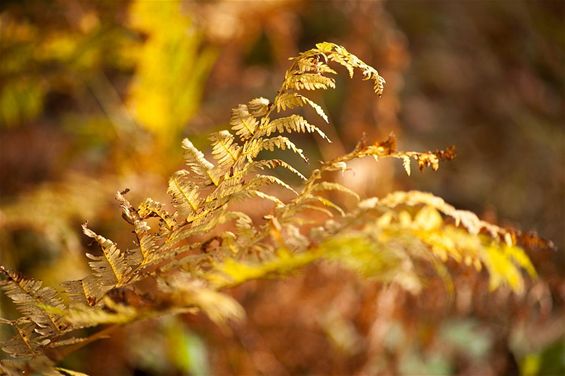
(277, 238)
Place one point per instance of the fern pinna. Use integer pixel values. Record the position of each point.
(180, 265)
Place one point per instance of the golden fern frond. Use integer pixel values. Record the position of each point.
(309, 67)
(185, 292)
(242, 122)
(331, 186)
(112, 268)
(86, 291)
(34, 364)
(259, 107)
(229, 185)
(434, 237)
(326, 202)
(305, 207)
(270, 144)
(185, 195)
(274, 163)
(150, 208)
(293, 123)
(198, 164)
(224, 150)
(427, 159)
(147, 241)
(253, 193)
(290, 100)
(387, 149)
(305, 200)
(81, 316)
(467, 219)
(30, 296)
(24, 341)
(148, 245)
(201, 227)
(341, 56)
(205, 245)
(263, 180)
(231, 272)
(305, 64)
(308, 81)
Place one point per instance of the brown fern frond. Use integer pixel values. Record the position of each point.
(30, 297)
(112, 268)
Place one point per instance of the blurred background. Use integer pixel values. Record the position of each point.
(97, 96)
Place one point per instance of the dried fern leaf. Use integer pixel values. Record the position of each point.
(185, 194)
(86, 291)
(38, 364)
(151, 208)
(112, 268)
(29, 297)
(293, 123)
(112, 313)
(330, 186)
(309, 81)
(24, 341)
(292, 100)
(219, 307)
(263, 180)
(274, 163)
(198, 164)
(278, 142)
(243, 123)
(224, 149)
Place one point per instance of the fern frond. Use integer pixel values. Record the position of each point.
(308, 81)
(146, 240)
(38, 363)
(278, 142)
(427, 228)
(262, 180)
(428, 159)
(341, 56)
(29, 296)
(293, 123)
(467, 219)
(219, 307)
(206, 245)
(306, 207)
(258, 194)
(307, 198)
(184, 194)
(290, 100)
(224, 149)
(112, 268)
(232, 273)
(24, 341)
(112, 313)
(243, 123)
(86, 291)
(150, 208)
(310, 61)
(259, 106)
(330, 186)
(148, 245)
(274, 163)
(229, 185)
(198, 164)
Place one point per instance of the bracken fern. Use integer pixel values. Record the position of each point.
(181, 264)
